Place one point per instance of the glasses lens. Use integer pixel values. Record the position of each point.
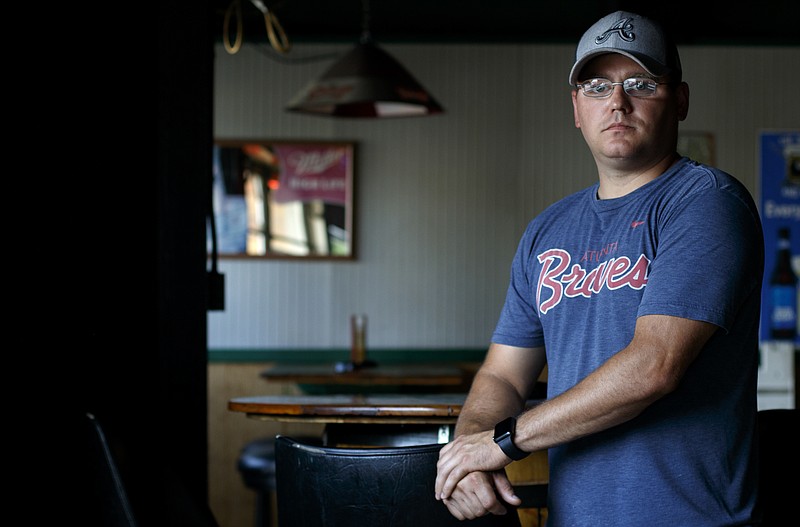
(597, 88)
(639, 86)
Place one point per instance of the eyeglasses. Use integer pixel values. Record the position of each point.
(635, 87)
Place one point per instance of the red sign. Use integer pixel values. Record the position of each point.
(309, 172)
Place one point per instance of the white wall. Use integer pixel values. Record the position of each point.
(443, 199)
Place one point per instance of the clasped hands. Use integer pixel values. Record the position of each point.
(470, 479)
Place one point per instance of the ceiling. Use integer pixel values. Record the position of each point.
(767, 22)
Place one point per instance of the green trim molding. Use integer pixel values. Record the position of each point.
(326, 355)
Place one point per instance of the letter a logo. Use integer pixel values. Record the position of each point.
(623, 28)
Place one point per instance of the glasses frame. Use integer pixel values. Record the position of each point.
(581, 85)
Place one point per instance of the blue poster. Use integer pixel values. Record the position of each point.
(779, 166)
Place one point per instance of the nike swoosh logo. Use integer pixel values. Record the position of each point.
(636, 224)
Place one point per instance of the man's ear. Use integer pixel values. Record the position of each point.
(575, 108)
(683, 101)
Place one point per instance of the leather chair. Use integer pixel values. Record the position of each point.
(364, 487)
(107, 493)
(105, 500)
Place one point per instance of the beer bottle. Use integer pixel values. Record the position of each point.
(783, 291)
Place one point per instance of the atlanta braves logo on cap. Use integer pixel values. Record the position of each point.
(623, 28)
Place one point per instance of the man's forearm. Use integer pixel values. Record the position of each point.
(489, 401)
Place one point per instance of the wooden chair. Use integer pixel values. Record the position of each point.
(364, 487)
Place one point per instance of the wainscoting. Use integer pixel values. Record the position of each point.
(232, 503)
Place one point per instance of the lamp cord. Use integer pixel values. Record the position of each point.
(232, 49)
(275, 33)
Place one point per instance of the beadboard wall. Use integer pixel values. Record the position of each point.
(442, 200)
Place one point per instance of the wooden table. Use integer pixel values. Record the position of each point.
(401, 409)
(378, 420)
(355, 406)
(340, 374)
(386, 420)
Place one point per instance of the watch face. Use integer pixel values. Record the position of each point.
(502, 436)
(504, 429)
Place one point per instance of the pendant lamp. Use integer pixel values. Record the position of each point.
(366, 82)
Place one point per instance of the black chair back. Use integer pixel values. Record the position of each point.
(364, 487)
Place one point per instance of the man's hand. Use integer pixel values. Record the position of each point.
(481, 493)
(470, 479)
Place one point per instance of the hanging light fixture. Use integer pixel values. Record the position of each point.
(366, 82)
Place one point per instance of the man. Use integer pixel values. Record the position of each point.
(642, 296)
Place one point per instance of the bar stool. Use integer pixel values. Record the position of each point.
(257, 465)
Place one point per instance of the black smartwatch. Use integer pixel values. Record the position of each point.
(504, 437)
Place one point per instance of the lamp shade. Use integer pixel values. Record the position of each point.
(367, 82)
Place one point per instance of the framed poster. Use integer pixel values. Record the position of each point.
(283, 199)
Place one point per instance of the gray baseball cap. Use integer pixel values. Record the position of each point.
(634, 36)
